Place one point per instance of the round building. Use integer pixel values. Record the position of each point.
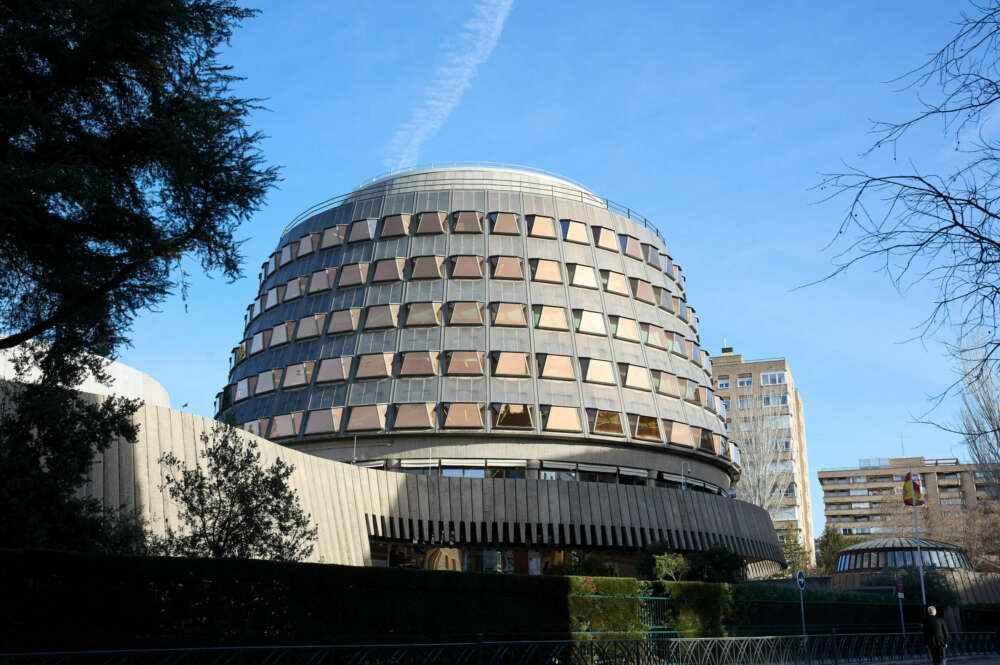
(507, 347)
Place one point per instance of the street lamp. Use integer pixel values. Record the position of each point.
(683, 479)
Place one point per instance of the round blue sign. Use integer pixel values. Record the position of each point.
(801, 579)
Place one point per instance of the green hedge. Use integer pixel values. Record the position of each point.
(697, 608)
(606, 607)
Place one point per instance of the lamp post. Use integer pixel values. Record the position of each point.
(683, 479)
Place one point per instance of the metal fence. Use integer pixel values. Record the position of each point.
(786, 650)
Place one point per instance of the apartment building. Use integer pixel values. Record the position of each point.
(756, 392)
(868, 499)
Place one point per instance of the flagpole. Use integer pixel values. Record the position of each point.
(916, 531)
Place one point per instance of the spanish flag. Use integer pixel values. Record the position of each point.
(911, 492)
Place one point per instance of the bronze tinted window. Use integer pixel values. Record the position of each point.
(543, 270)
(561, 419)
(285, 425)
(507, 267)
(344, 320)
(353, 274)
(509, 314)
(273, 297)
(395, 225)
(281, 333)
(633, 376)
(591, 323)
(364, 418)
(308, 244)
(294, 288)
(551, 366)
(597, 371)
(707, 441)
(467, 267)
(287, 254)
(374, 365)
(257, 427)
(462, 415)
(418, 363)
(430, 222)
(461, 313)
(630, 246)
(333, 236)
(624, 328)
(509, 363)
(605, 238)
(333, 369)
(298, 375)
(644, 427)
(260, 341)
(574, 231)
(427, 267)
(310, 326)
(642, 290)
(322, 280)
(468, 363)
(513, 416)
(580, 275)
(605, 422)
(467, 221)
(550, 317)
(652, 256)
(680, 433)
(614, 282)
(389, 270)
(363, 229)
(322, 421)
(667, 384)
(653, 335)
(382, 316)
(267, 381)
(504, 223)
(423, 314)
(415, 416)
(540, 226)
(244, 389)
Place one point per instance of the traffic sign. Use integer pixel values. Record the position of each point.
(899, 585)
(800, 578)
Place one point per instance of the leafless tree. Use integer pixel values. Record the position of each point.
(941, 229)
(980, 419)
(759, 429)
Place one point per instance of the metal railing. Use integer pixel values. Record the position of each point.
(576, 193)
(808, 650)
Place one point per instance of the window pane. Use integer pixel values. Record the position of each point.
(463, 415)
(540, 226)
(508, 314)
(605, 422)
(467, 267)
(389, 270)
(507, 267)
(552, 318)
(344, 320)
(423, 314)
(633, 376)
(418, 363)
(605, 238)
(465, 362)
(374, 365)
(591, 323)
(562, 419)
(614, 282)
(367, 417)
(555, 367)
(545, 271)
(581, 275)
(513, 416)
(597, 371)
(395, 225)
(382, 316)
(322, 421)
(467, 221)
(646, 427)
(353, 274)
(363, 229)
(430, 222)
(506, 363)
(504, 223)
(427, 267)
(465, 313)
(574, 231)
(415, 416)
(333, 369)
(624, 328)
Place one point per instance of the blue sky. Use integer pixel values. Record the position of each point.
(714, 120)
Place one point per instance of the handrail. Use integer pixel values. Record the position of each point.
(585, 195)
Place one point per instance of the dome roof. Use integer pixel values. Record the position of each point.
(898, 544)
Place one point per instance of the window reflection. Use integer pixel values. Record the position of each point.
(395, 225)
(555, 367)
(467, 221)
(574, 231)
(543, 270)
(614, 282)
(469, 363)
(465, 313)
(624, 328)
(430, 222)
(605, 422)
(389, 270)
(423, 314)
(508, 363)
(509, 314)
(466, 267)
(590, 323)
(418, 363)
(597, 371)
(644, 427)
(513, 416)
(504, 223)
(549, 317)
(415, 416)
(540, 226)
(427, 267)
(507, 267)
(581, 275)
(561, 419)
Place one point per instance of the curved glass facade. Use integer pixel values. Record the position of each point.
(901, 558)
(486, 306)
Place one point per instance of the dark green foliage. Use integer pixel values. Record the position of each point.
(48, 435)
(232, 507)
(125, 150)
(936, 586)
(646, 562)
(54, 600)
(606, 606)
(716, 564)
(698, 607)
(831, 542)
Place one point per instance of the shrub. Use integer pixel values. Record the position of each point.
(698, 607)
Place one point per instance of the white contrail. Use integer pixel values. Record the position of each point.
(474, 44)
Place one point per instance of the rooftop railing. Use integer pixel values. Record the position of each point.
(576, 192)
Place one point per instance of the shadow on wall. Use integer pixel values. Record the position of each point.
(62, 601)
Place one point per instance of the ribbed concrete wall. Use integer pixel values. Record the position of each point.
(350, 503)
